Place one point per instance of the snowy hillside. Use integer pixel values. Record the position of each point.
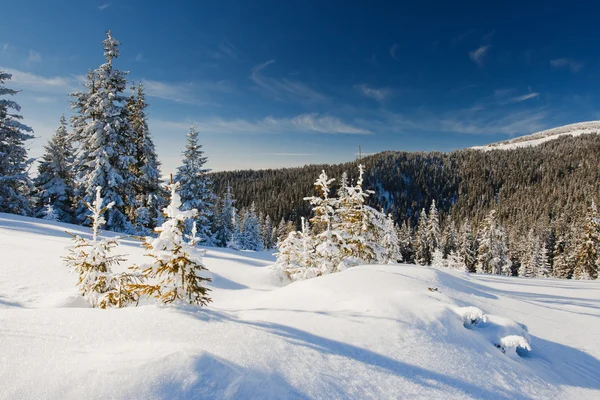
(369, 332)
(544, 136)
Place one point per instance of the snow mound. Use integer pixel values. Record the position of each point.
(535, 139)
(509, 336)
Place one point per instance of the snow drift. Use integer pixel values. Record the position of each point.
(372, 331)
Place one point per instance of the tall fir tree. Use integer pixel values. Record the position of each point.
(54, 184)
(587, 251)
(449, 239)
(196, 192)
(225, 219)
(150, 197)
(106, 147)
(433, 228)
(251, 238)
(468, 248)
(423, 254)
(15, 185)
(405, 237)
(492, 254)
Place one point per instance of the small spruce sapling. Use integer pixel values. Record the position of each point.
(91, 260)
(178, 263)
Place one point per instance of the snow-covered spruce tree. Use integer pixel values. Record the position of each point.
(267, 233)
(296, 256)
(433, 228)
(54, 184)
(237, 238)
(390, 242)
(530, 261)
(284, 228)
(328, 240)
(422, 246)
(405, 239)
(437, 259)
(544, 267)
(468, 248)
(360, 226)
(15, 185)
(178, 265)
(492, 254)
(106, 146)
(92, 261)
(587, 251)
(563, 257)
(225, 219)
(49, 213)
(149, 195)
(449, 238)
(251, 238)
(196, 192)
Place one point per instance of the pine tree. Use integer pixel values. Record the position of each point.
(251, 238)
(422, 245)
(196, 192)
(325, 220)
(149, 196)
(433, 228)
(360, 226)
(91, 260)
(390, 242)
(225, 219)
(449, 239)
(296, 256)
(587, 252)
(492, 254)
(237, 238)
(563, 257)
(105, 155)
(267, 233)
(405, 239)
(54, 183)
(468, 248)
(15, 185)
(178, 265)
(531, 257)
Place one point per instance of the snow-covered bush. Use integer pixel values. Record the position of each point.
(471, 316)
(178, 264)
(92, 261)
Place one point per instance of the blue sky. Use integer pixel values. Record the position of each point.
(284, 83)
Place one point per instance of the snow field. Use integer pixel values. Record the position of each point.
(372, 331)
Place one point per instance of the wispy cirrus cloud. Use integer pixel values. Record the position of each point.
(456, 40)
(284, 89)
(472, 121)
(507, 96)
(478, 55)
(394, 51)
(227, 50)
(303, 123)
(376, 94)
(33, 58)
(566, 63)
(199, 93)
(103, 6)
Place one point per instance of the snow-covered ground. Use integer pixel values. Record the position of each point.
(370, 332)
(535, 139)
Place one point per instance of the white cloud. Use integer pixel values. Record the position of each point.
(33, 57)
(6, 47)
(479, 54)
(472, 120)
(44, 99)
(37, 83)
(566, 63)
(186, 92)
(227, 50)
(304, 123)
(372, 93)
(524, 97)
(284, 89)
(139, 57)
(394, 51)
(103, 6)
